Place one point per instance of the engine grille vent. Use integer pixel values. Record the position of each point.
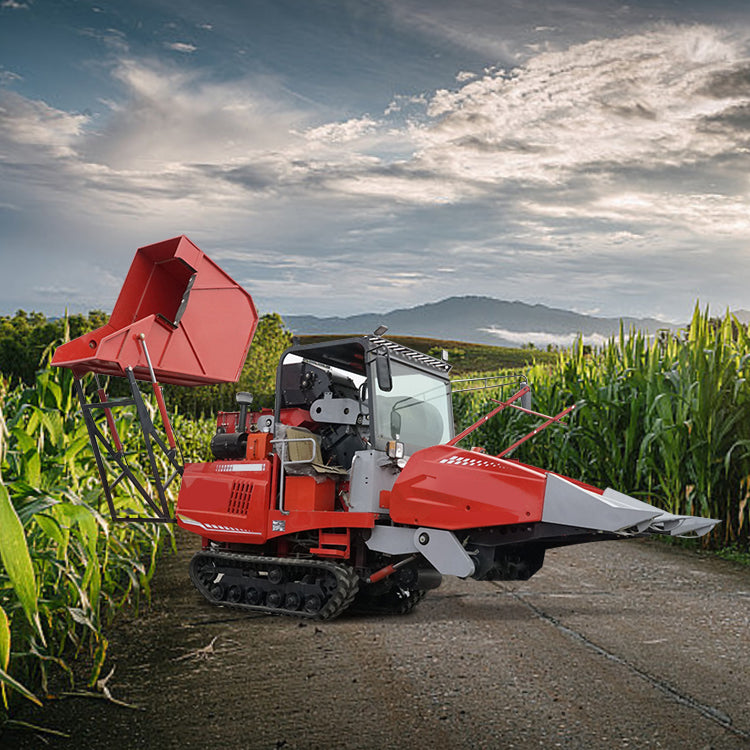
(239, 498)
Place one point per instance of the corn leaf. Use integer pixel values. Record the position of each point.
(80, 616)
(82, 516)
(33, 507)
(6, 679)
(51, 528)
(14, 553)
(93, 578)
(4, 650)
(23, 439)
(32, 467)
(54, 425)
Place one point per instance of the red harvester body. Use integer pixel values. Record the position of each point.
(352, 491)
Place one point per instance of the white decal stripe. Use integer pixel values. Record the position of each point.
(239, 467)
(217, 527)
(464, 461)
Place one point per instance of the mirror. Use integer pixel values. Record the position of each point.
(383, 370)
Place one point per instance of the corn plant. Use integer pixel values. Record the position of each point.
(66, 569)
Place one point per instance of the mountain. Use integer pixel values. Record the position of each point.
(480, 320)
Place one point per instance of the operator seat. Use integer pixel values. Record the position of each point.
(304, 446)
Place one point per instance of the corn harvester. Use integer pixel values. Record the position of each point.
(353, 491)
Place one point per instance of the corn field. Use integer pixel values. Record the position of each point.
(665, 421)
(66, 569)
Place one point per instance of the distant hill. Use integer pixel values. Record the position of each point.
(480, 320)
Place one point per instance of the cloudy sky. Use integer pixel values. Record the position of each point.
(346, 156)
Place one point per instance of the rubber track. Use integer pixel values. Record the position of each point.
(346, 579)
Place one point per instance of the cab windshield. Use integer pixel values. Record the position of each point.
(416, 411)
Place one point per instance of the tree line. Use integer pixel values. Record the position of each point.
(24, 338)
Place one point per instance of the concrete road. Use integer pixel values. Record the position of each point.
(612, 645)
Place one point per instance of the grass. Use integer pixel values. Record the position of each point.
(735, 555)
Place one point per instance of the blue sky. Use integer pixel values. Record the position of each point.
(341, 157)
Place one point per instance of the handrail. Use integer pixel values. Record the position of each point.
(509, 403)
(482, 420)
(509, 378)
(284, 463)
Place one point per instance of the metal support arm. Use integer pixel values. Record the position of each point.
(106, 454)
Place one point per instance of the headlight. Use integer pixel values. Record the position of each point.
(394, 449)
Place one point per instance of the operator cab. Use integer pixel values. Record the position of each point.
(415, 411)
(372, 390)
(367, 403)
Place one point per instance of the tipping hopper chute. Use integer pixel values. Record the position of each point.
(174, 301)
(179, 319)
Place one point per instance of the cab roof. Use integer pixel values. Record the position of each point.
(350, 354)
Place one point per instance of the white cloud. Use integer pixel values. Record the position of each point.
(30, 129)
(169, 116)
(404, 187)
(8, 76)
(62, 292)
(401, 102)
(706, 214)
(608, 103)
(180, 47)
(470, 25)
(342, 132)
(112, 39)
(697, 213)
